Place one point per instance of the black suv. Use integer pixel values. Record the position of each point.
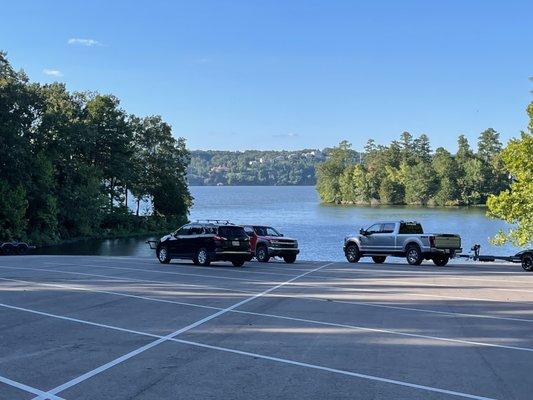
(203, 242)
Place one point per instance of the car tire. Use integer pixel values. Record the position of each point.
(413, 254)
(290, 258)
(202, 257)
(527, 262)
(261, 253)
(379, 259)
(163, 255)
(238, 263)
(440, 261)
(352, 253)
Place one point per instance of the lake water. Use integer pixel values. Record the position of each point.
(297, 212)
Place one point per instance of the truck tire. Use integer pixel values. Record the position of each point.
(261, 253)
(527, 262)
(290, 258)
(352, 253)
(202, 258)
(162, 255)
(8, 249)
(379, 259)
(440, 261)
(413, 254)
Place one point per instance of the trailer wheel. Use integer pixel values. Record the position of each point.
(527, 262)
(8, 249)
(22, 248)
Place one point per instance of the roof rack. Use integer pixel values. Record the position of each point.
(216, 221)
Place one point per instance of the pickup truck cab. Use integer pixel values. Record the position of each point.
(267, 242)
(401, 239)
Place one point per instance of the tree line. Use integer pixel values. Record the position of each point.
(408, 172)
(254, 167)
(70, 160)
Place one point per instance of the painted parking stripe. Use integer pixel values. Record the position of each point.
(304, 320)
(142, 349)
(300, 284)
(50, 394)
(27, 388)
(314, 298)
(128, 279)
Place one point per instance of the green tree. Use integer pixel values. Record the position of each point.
(446, 168)
(420, 184)
(330, 171)
(13, 205)
(515, 205)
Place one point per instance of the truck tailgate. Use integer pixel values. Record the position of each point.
(447, 241)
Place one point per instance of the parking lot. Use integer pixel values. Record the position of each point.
(89, 327)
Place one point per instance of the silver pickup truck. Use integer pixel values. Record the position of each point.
(401, 239)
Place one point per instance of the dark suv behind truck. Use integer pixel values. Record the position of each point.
(266, 242)
(204, 242)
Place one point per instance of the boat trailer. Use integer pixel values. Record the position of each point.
(524, 257)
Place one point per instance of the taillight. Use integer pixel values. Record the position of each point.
(432, 241)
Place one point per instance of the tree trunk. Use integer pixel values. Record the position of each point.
(138, 205)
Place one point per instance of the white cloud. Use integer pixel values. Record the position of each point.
(84, 42)
(52, 72)
(286, 135)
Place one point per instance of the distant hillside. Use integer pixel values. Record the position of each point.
(254, 167)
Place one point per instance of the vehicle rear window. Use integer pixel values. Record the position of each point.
(411, 228)
(231, 232)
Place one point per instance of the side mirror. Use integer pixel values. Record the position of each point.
(281, 234)
(362, 232)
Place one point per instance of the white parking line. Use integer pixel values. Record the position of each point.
(27, 388)
(451, 270)
(310, 298)
(157, 271)
(329, 278)
(287, 318)
(127, 279)
(50, 394)
(133, 353)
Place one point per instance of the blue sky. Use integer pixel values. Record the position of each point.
(289, 74)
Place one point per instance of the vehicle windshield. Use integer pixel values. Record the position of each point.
(266, 231)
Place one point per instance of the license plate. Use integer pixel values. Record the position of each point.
(235, 243)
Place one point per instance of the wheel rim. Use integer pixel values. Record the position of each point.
(202, 256)
(352, 254)
(412, 256)
(163, 254)
(261, 254)
(528, 263)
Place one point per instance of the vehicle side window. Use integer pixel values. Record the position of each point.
(249, 230)
(387, 228)
(197, 230)
(184, 230)
(210, 230)
(376, 228)
(410, 228)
